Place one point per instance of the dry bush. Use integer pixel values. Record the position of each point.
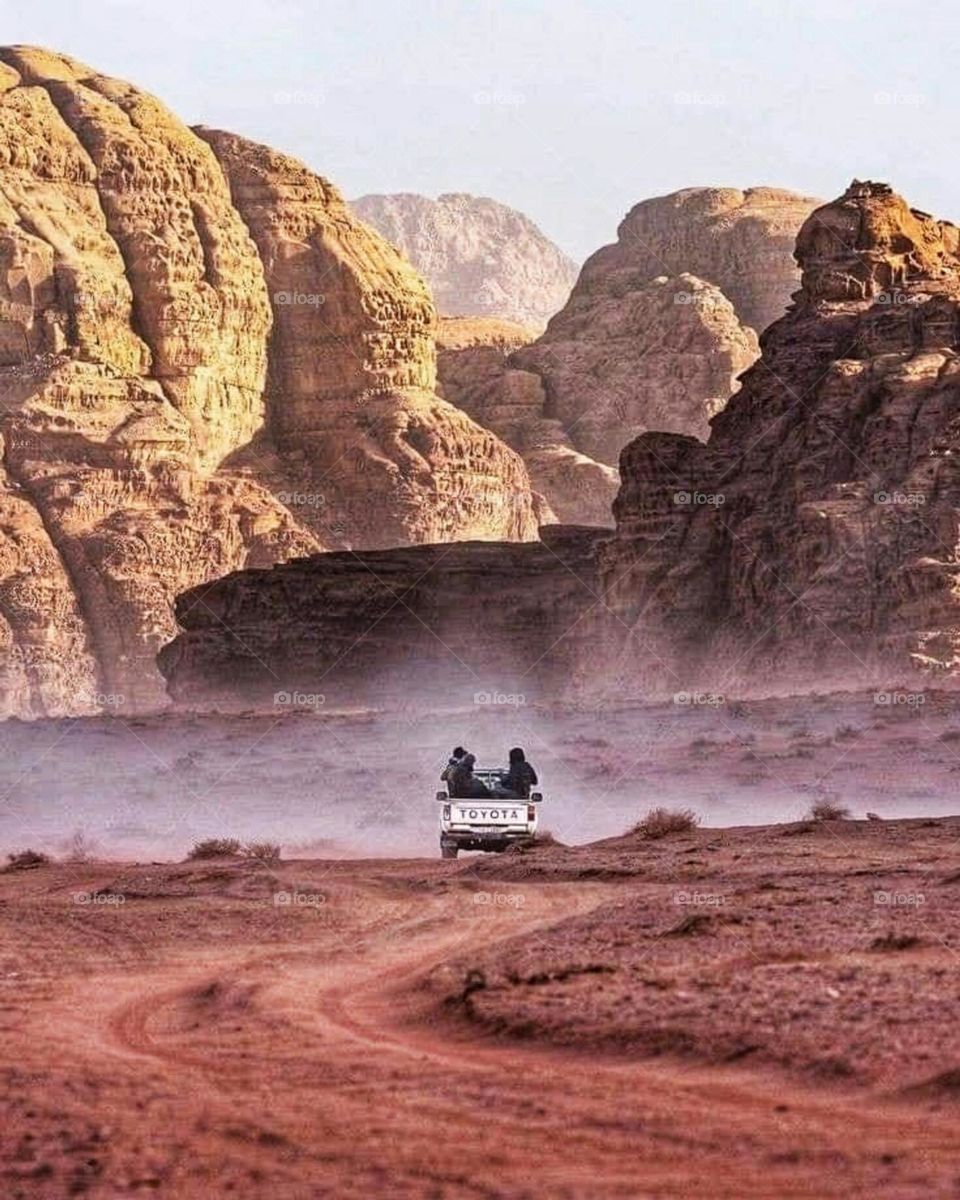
(846, 733)
(828, 810)
(262, 851)
(662, 821)
(890, 943)
(216, 848)
(25, 860)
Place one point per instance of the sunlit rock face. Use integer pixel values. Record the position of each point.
(166, 416)
(742, 242)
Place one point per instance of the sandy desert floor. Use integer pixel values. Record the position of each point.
(761, 1007)
(539, 1024)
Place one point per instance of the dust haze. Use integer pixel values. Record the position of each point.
(331, 782)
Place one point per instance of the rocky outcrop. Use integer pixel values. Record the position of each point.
(480, 258)
(662, 354)
(352, 371)
(471, 623)
(814, 537)
(476, 372)
(740, 241)
(654, 335)
(636, 355)
(168, 415)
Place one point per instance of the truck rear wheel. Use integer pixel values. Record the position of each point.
(448, 850)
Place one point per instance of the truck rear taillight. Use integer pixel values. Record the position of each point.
(531, 812)
(446, 812)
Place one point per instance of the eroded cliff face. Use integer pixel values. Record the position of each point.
(637, 355)
(480, 257)
(471, 623)
(654, 335)
(477, 373)
(740, 241)
(814, 537)
(351, 380)
(811, 541)
(165, 417)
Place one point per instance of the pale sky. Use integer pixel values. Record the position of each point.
(571, 112)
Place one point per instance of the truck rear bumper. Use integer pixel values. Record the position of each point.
(484, 839)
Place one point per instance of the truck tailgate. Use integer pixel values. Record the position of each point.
(488, 812)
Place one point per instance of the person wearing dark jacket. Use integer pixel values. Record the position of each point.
(520, 776)
(463, 784)
(448, 774)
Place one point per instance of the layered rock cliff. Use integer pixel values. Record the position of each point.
(814, 537)
(480, 258)
(811, 541)
(173, 406)
(471, 623)
(617, 361)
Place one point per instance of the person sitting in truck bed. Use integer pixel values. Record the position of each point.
(448, 773)
(463, 784)
(520, 776)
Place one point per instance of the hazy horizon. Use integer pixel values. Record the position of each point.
(569, 114)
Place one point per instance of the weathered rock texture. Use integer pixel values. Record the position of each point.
(654, 335)
(740, 241)
(480, 258)
(471, 623)
(166, 415)
(634, 355)
(352, 371)
(476, 373)
(814, 537)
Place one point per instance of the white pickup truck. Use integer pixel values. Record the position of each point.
(487, 823)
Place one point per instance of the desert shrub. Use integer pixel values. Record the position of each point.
(24, 860)
(662, 821)
(216, 848)
(828, 810)
(846, 733)
(691, 923)
(262, 851)
(889, 943)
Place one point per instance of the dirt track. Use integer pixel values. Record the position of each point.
(217, 1044)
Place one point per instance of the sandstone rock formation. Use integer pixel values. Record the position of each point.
(476, 373)
(470, 623)
(633, 355)
(480, 258)
(812, 541)
(167, 415)
(740, 241)
(350, 383)
(654, 335)
(814, 537)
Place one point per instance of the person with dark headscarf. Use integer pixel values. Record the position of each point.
(519, 777)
